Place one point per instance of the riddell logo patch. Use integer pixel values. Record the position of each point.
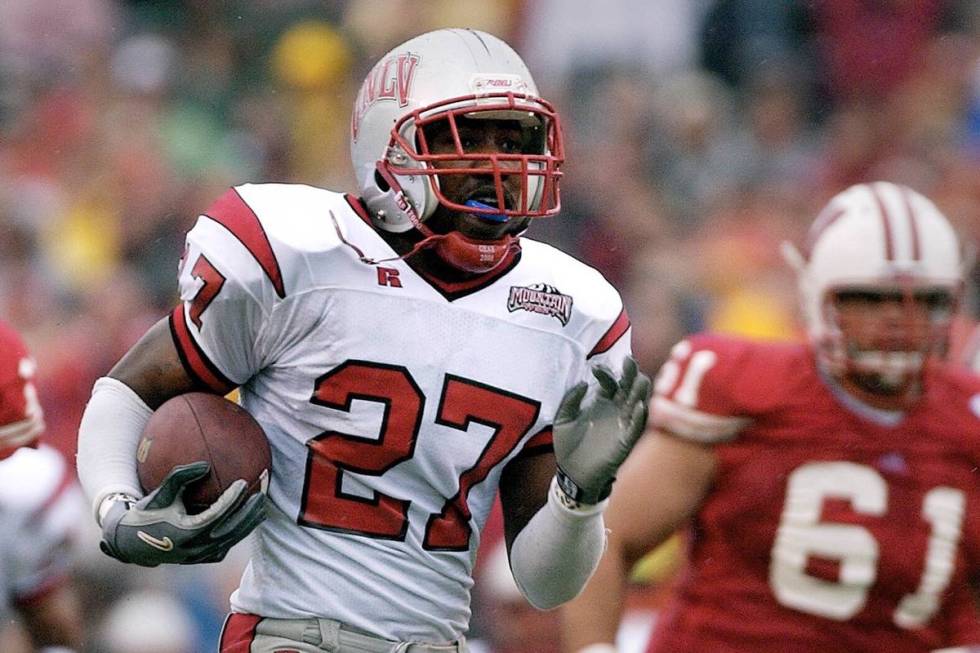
(485, 84)
(541, 298)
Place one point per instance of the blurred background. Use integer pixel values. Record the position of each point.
(700, 134)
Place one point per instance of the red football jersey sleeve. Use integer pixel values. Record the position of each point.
(712, 386)
(21, 418)
(829, 526)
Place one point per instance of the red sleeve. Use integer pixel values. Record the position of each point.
(21, 419)
(713, 386)
(13, 404)
(722, 375)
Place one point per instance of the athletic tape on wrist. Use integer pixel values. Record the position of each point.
(566, 505)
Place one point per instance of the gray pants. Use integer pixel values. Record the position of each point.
(318, 635)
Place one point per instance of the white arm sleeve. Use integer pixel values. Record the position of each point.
(555, 554)
(108, 436)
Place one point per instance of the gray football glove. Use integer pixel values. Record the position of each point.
(593, 439)
(157, 529)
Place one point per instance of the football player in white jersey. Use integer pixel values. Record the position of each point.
(408, 354)
(40, 506)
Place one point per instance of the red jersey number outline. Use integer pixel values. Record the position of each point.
(325, 505)
(331, 454)
(211, 283)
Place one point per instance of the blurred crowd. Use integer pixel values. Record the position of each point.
(700, 134)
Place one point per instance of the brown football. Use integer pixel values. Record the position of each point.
(200, 426)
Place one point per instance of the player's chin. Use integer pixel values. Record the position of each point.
(883, 385)
(476, 227)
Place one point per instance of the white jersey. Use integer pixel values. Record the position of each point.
(392, 402)
(42, 516)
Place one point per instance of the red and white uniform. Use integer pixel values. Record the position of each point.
(21, 418)
(41, 505)
(42, 516)
(392, 402)
(830, 527)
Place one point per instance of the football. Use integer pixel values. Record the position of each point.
(200, 426)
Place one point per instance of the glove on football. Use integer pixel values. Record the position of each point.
(157, 529)
(593, 439)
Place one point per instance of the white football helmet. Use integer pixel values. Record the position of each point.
(446, 75)
(886, 238)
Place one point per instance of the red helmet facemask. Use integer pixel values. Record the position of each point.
(539, 173)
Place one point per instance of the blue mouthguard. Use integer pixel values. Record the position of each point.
(493, 217)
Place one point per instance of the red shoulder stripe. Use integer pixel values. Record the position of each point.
(236, 216)
(615, 332)
(197, 364)
(238, 633)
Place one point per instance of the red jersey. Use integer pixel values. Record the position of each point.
(830, 526)
(21, 420)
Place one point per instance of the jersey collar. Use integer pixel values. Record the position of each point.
(451, 290)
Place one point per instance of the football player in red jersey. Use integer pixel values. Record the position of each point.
(39, 527)
(21, 417)
(408, 353)
(829, 489)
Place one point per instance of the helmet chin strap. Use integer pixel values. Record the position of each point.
(462, 253)
(476, 256)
